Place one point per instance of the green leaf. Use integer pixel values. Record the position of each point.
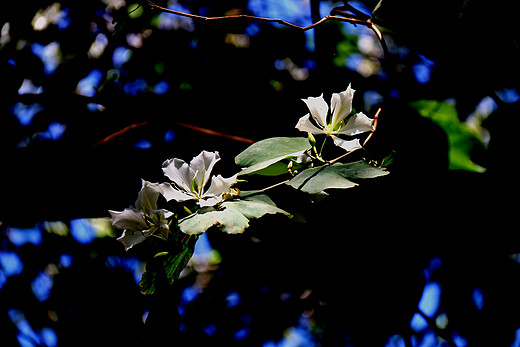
(265, 153)
(317, 179)
(169, 264)
(388, 160)
(255, 206)
(233, 218)
(275, 169)
(147, 283)
(228, 220)
(461, 138)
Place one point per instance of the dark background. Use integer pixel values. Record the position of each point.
(354, 273)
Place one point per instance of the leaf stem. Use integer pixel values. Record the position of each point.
(323, 145)
(376, 117)
(330, 162)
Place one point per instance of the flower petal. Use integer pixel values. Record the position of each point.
(210, 202)
(131, 219)
(357, 124)
(347, 145)
(220, 185)
(171, 193)
(179, 172)
(131, 238)
(147, 197)
(202, 166)
(305, 124)
(318, 108)
(341, 105)
(165, 214)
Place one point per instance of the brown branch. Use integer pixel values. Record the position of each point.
(119, 133)
(350, 8)
(215, 133)
(344, 18)
(376, 117)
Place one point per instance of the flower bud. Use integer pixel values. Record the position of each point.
(312, 140)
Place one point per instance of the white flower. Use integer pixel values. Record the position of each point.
(334, 124)
(141, 221)
(189, 180)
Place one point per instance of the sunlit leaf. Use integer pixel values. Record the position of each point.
(265, 153)
(233, 216)
(276, 169)
(461, 138)
(255, 206)
(317, 179)
(229, 220)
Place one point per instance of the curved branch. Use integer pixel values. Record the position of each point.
(344, 18)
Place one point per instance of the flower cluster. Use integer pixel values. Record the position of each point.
(188, 183)
(209, 201)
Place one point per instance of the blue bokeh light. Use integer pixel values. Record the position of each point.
(423, 70)
(429, 304)
(508, 95)
(82, 231)
(232, 300)
(136, 87)
(161, 88)
(290, 10)
(478, 298)
(20, 237)
(210, 329)
(41, 286)
(10, 263)
(49, 55)
(88, 85)
(65, 260)
(241, 334)
(120, 56)
(143, 144)
(54, 132)
(25, 113)
(189, 294)
(169, 136)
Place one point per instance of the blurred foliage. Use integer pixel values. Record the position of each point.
(461, 139)
(94, 97)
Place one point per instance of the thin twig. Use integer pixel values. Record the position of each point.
(330, 162)
(376, 117)
(275, 185)
(215, 133)
(120, 132)
(344, 18)
(350, 8)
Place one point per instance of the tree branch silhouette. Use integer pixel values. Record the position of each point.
(345, 17)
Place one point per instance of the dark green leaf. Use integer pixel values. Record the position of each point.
(317, 179)
(169, 264)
